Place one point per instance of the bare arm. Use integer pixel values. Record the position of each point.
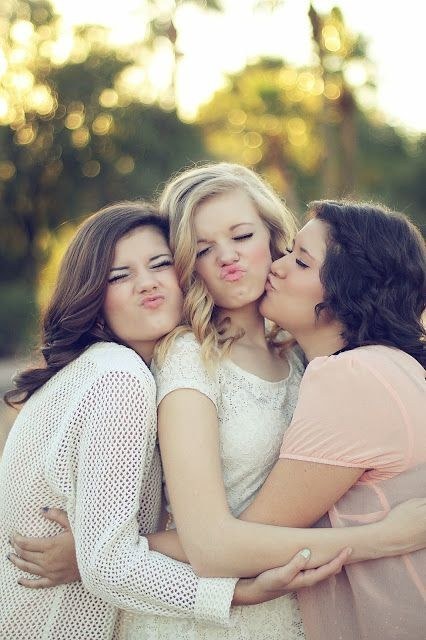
(297, 494)
(214, 541)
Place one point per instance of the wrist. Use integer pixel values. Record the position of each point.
(243, 593)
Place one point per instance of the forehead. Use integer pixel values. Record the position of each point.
(225, 210)
(143, 240)
(313, 238)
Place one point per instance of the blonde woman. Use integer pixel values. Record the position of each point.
(226, 395)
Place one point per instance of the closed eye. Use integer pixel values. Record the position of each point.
(164, 263)
(120, 276)
(203, 252)
(302, 264)
(246, 236)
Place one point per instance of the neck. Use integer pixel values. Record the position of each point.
(247, 319)
(145, 350)
(323, 342)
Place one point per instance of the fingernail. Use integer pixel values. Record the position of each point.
(306, 553)
(45, 509)
(349, 551)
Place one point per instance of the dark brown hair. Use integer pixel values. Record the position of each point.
(73, 319)
(374, 275)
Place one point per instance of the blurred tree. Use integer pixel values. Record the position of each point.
(162, 37)
(306, 130)
(74, 135)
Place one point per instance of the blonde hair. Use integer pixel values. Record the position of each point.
(179, 201)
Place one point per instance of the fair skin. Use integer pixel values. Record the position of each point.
(142, 291)
(214, 541)
(143, 302)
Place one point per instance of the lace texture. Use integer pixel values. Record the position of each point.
(86, 442)
(253, 415)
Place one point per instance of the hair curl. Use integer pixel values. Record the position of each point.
(179, 200)
(73, 320)
(374, 275)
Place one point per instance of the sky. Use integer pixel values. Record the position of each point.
(215, 44)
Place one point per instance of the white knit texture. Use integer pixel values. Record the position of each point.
(86, 442)
(253, 414)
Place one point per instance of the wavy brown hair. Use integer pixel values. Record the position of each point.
(374, 275)
(73, 319)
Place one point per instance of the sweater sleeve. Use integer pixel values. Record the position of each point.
(117, 423)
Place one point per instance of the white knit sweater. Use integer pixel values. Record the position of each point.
(86, 442)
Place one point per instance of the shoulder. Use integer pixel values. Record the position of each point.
(110, 358)
(364, 370)
(184, 368)
(184, 350)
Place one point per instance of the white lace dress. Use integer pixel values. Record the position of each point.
(253, 415)
(86, 442)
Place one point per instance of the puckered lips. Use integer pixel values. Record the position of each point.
(153, 301)
(232, 273)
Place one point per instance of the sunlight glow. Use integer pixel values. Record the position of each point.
(213, 44)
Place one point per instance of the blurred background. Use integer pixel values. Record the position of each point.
(103, 101)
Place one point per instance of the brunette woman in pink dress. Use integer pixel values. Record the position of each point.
(352, 293)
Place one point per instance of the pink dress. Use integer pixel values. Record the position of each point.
(366, 408)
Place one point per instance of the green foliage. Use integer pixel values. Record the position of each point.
(18, 316)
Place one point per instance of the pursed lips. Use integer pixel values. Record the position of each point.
(152, 302)
(231, 273)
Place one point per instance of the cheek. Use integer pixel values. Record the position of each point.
(260, 255)
(113, 305)
(205, 272)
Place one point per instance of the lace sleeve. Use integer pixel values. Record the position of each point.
(117, 423)
(183, 368)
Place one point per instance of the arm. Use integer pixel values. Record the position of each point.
(310, 490)
(53, 559)
(214, 541)
(332, 441)
(118, 420)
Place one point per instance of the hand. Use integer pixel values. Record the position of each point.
(404, 527)
(275, 583)
(53, 559)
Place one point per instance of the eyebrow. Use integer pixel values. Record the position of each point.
(234, 226)
(160, 255)
(303, 250)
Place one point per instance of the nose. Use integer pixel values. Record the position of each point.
(227, 254)
(278, 267)
(146, 280)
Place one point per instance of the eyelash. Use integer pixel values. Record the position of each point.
(165, 263)
(298, 262)
(246, 236)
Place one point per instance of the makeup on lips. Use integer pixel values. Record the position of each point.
(152, 302)
(232, 273)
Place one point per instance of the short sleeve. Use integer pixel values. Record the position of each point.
(183, 368)
(347, 415)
